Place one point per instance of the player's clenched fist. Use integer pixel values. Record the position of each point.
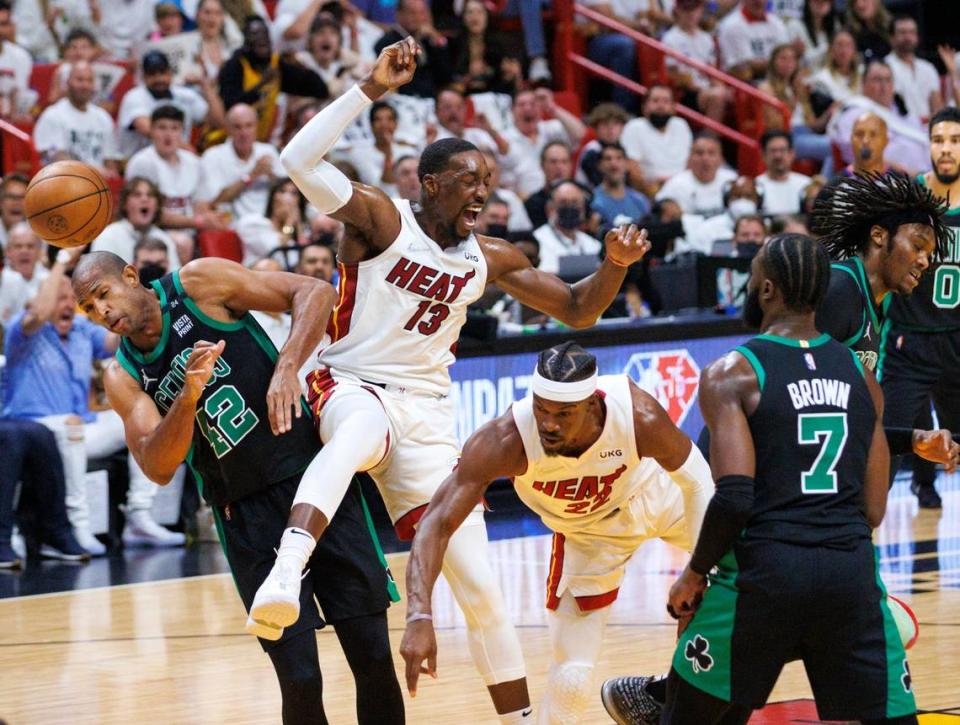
(395, 67)
(626, 244)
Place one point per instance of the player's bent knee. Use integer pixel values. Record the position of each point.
(569, 692)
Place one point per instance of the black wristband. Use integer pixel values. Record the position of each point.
(899, 440)
(727, 514)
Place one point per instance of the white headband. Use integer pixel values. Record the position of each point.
(571, 392)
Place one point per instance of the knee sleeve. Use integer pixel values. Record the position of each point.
(569, 691)
(492, 639)
(354, 430)
(301, 685)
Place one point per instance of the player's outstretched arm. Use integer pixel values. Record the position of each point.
(876, 487)
(659, 438)
(494, 451)
(577, 305)
(728, 393)
(363, 207)
(160, 443)
(222, 283)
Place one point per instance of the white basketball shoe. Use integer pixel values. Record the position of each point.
(277, 602)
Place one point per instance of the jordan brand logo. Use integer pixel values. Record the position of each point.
(866, 334)
(146, 379)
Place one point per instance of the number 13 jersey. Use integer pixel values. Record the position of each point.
(398, 315)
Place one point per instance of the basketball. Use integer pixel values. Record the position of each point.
(68, 204)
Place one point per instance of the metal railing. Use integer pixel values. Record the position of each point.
(749, 101)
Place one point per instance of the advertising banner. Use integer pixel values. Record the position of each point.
(484, 387)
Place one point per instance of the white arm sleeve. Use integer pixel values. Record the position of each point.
(321, 182)
(696, 484)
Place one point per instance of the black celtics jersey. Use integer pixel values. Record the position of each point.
(849, 314)
(812, 431)
(234, 453)
(935, 303)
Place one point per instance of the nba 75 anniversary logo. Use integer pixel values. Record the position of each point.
(670, 376)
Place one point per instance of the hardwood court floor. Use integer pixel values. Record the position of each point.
(174, 651)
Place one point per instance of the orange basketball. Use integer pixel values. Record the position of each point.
(68, 204)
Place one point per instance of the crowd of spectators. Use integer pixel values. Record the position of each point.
(184, 106)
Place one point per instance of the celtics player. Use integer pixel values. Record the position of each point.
(921, 353)
(886, 230)
(232, 410)
(801, 462)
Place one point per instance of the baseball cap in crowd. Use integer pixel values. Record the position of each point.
(155, 61)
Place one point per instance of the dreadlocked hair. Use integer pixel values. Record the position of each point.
(800, 268)
(566, 363)
(844, 215)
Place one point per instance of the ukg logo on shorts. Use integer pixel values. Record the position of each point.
(671, 376)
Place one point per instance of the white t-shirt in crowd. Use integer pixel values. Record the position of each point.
(477, 136)
(221, 167)
(258, 236)
(40, 273)
(367, 159)
(120, 238)
(914, 83)
(14, 294)
(699, 46)
(743, 39)
(554, 245)
(15, 68)
(178, 182)
(695, 196)
(838, 87)
(139, 102)
(659, 153)
(814, 49)
(520, 168)
(782, 197)
(518, 219)
(87, 135)
(124, 23)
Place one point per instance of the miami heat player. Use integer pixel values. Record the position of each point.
(380, 396)
(605, 468)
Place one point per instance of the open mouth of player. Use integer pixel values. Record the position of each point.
(914, 277)
(469, 216)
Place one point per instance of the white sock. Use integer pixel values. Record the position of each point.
(517, 717)
(296, 546)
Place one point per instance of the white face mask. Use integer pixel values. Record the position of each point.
(742, 207)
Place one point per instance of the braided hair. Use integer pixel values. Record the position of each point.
(566, 363)
(800, 268)
(844, 214)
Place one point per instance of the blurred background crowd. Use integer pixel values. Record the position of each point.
(712, 123)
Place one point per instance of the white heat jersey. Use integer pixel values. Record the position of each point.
(399, 314)
(572, 494)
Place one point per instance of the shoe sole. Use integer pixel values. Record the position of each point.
(606, 697)
(151, 543)
(276, 614)
(263, 630)
(48, 553)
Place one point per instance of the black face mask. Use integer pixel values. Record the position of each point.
(151, 272)
(569, 217)
(748, 250)
(752, 312)
(497, 230)
(659, 120)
